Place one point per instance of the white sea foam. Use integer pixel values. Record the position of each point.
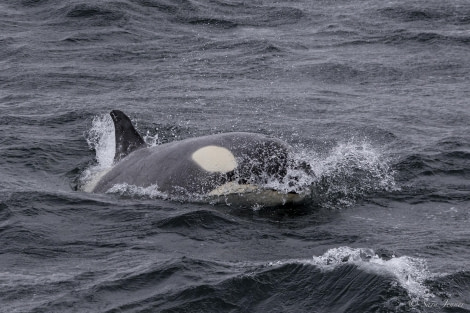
(353, 158)
(349, 171)
(152, 141)
(128, 190)
(100, 138)
(409, 272)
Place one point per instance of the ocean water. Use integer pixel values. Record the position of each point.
(374, 95)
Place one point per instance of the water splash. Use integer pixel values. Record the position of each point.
(100, 138)
(338, 178)
(349, 171)
(152, 140)
(131, 191)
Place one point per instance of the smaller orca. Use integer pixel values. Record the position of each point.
(230, 167)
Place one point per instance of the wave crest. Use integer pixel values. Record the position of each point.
(410, 273)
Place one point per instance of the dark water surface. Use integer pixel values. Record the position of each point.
(373, 94)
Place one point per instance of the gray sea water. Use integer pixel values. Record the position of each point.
(373, 95)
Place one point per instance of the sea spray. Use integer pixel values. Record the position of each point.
(350, 171)
(100, 138)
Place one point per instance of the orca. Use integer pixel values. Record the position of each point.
(227, 167)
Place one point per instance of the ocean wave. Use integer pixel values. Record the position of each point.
(343, 279)
(436, 177)
(451, 163)
(455, 14)
(430, 37)
(168, 6)
(361, 73)
(197, 219)
(215, 14)
(357, 280)
(411, 273)
(224, 16)
(220, 23)
(86, 11)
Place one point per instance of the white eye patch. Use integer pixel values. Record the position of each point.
(215, 159)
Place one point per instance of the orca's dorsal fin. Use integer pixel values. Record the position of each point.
(127, 138)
